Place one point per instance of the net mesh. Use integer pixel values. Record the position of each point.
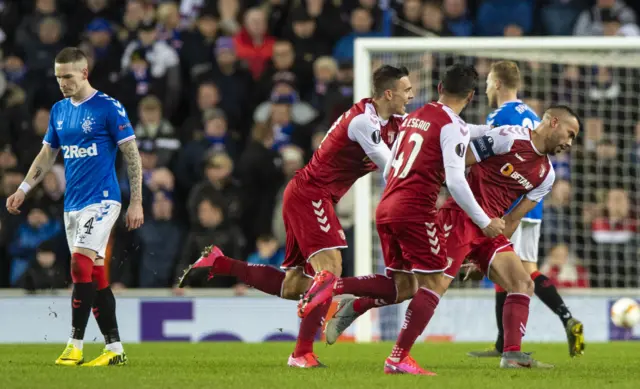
(589, 232)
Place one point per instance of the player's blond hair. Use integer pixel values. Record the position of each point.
(508, 73)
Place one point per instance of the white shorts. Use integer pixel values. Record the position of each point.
(525, 241)
(90, 227)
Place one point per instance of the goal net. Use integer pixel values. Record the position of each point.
(589, 233)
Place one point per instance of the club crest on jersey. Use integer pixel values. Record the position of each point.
(509, 171)
(375, 136)
(87, 124)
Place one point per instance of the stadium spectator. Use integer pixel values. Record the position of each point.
(215, 138)
(268, 252)
(36, 229)
(218, 183)
(280, 68)
(196, 54)
(612, 25)
(152, 125)
(409, 18)
(590, 21)
(558, 17)
(168, 15)
(433, 19)
(207, 97)
(261, 177)
(235, 83)
(361, 27)
(29, 28)
(210, 224)
(457, 17)
(615, 235)
(163, 63)
(325, 71)
(106, 53)
(160, 243)
(88, 11)
(305, 39)
(136, 12)
(563, 269)
(494, 16)
(253, 43)
(46, 272)
(229, 11)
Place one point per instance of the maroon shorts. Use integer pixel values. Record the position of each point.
(412, 247)
(466, 240)
(311, 225)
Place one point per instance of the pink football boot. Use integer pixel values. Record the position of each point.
(208, 257)
(407, 365)
(306, 361)
(321, 290)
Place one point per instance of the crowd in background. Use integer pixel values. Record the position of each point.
(229, 98)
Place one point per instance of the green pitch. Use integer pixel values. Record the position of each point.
(230, 365)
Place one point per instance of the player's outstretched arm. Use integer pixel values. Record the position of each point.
(39, 168)
(135, 216)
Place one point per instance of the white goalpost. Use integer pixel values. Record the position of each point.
(597, 76)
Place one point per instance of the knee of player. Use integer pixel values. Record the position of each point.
(525, 285)
(406, 287)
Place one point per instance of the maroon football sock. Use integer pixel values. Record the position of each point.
(363, 304)
(514, 320)
(374, 285)
(309, 327)
(264, 278)
(419, 312)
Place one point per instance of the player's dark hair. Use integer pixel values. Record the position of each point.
(385, 78)
(568, 110)
(565, 108)
(70, 55)
(459, 80)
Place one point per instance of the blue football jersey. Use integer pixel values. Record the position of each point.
(520, 114)
(88, 134)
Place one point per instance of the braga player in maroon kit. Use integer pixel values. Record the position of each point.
(509, 162)
(356, 144)
(430, 150)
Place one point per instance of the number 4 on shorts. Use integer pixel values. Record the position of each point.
(88, 226)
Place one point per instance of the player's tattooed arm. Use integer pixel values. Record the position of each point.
(134, 169)
(41, 165)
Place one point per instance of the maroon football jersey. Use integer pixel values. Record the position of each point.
(430, 138)
(508, 167)
(356, 138)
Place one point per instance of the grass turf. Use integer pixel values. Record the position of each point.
(241, 365)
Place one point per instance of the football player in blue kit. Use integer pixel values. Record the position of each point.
(88, 127)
